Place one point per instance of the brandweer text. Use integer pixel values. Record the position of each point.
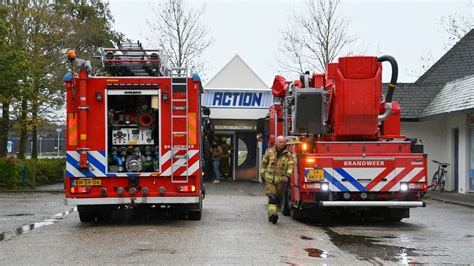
(364, 163)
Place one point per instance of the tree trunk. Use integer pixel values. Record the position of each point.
(34, 132)
(4, 128)
(34, 142)
(23, 129)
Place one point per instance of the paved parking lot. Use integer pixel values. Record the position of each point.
(234, 230)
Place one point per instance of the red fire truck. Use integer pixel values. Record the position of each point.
(133, 136)
(345, 137)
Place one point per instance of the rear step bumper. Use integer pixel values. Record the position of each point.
(405, 204)
(138, 200)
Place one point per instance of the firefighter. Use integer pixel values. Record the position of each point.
(277, 167)
(207, 151)
(216, 163)
(225, 157)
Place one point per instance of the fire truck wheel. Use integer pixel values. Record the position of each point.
(104, 217)
(393, 219)
(285, 205)
(296, 213)
(194, 215)
(86, 217)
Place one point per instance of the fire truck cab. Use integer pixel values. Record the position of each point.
(133, 136)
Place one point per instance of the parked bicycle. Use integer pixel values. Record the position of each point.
(439, 178)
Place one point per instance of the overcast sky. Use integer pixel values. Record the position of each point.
(406, 30)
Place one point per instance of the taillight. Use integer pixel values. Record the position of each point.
(417, 186)
(317, 186)
(80, 190)
(312, 186)
(304, 147)
(186, 188)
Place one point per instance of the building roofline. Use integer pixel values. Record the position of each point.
(447, 114)
(232, 59)
(445, 57)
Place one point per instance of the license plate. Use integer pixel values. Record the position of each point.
(315, 175)
(87, 182)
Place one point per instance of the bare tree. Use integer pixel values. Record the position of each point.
(314, 39)
(179, 33)
(456, 26)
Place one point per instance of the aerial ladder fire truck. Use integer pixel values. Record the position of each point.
(133, 136)
(349, 155)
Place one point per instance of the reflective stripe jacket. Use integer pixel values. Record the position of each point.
(274, 168)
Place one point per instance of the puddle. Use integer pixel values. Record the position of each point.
(19, 214)
(317, 253)
(29, 227)
(306, 238)
(389, 236)
(151, 250)
(368, 248)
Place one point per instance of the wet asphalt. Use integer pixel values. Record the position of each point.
(39, 229)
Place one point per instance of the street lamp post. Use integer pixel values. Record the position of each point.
(59, 132)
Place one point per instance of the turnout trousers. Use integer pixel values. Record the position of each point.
(275, 195)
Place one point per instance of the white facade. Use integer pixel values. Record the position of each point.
(438, 139)
(237, 78)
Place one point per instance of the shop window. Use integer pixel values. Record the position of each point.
(242, 153)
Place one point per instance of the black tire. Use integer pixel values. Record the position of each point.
(285, 205)
(86, 217)
(297, 213)
(442, 183)
(103, 213)
(393, 219)
(194, 215)
(104, 217)
(434, 181)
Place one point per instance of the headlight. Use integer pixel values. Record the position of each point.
(325, 187)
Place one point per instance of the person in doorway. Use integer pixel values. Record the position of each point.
(216, 163)
(277, 167)
(207, 165)
(225, 157)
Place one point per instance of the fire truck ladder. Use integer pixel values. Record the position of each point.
(130, 59)
(179, 84)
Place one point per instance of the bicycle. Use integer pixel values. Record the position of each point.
(439, 178)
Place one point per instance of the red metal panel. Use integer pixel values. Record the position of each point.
(153, 183)
(96, 132)
(391, 126)
(327, 147)
(357, 93)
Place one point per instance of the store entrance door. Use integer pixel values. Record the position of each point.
(245, 156)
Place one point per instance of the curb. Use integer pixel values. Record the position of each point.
(453, 202)
(33, 191)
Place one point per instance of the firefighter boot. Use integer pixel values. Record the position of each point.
(272, 208)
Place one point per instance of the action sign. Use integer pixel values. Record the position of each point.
(238, 99)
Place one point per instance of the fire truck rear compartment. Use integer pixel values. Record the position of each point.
(132, 132)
